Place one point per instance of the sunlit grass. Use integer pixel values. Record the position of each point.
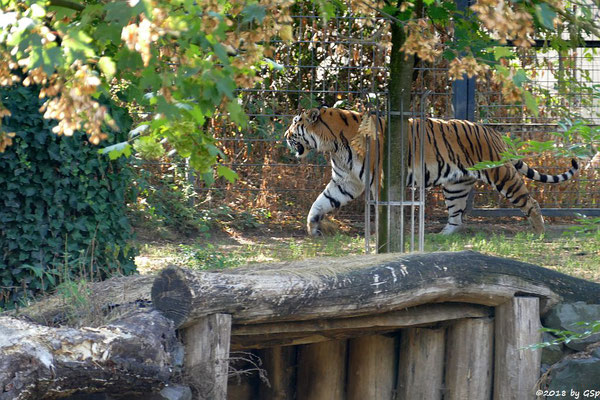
(577, 255)
(573, 254)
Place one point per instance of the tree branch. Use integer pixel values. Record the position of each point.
(67, 4)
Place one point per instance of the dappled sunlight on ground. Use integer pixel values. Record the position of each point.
(573, 254)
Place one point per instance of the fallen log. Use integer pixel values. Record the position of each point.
(360, 285)
(100, 301)
(127, 357)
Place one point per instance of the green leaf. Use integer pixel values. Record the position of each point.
(236, 113)
(486, 165)
(531, 103)
(227, 173)
(545, 15)
(253, 12)
(108, 67)
(437, 13)
(520, 77)
(117, 150)
(502, 52)
(79, 42)
(273, 64)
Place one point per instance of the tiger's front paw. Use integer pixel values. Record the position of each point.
(313, 225)
(314, 228)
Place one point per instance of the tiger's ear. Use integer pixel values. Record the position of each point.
(312, 115)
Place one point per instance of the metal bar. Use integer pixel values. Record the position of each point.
(540, 43)
(404, 114)
(395, 203)
(422, 199)
(413, 187)
(367, 197)
(402, 172)
(549, 212)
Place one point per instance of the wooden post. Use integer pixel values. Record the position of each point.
(421, 364)
(322, 370)
(371, 368)
(280, 364)
(469, 359)
(207, 355)
(516, 368)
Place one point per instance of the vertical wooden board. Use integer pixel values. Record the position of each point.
(242, 383)
(244, 389)
(469, 359)
(207, 355)
(280, 366)
(421, 364)
(517, 369)
(322, 371)
(371, 368)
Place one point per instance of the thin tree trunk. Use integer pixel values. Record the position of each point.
(401, 78)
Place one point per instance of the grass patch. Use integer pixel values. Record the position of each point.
(213, 256)
(576, 254)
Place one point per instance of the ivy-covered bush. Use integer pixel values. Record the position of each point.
(62, 204)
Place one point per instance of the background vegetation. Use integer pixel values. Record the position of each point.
(63, 214)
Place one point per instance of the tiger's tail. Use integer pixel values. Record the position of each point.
(536, 176)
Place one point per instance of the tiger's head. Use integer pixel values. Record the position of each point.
(300, 136)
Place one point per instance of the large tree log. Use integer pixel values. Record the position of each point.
(130, 356)
(359, 285)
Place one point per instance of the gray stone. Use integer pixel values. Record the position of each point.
(575, 376)
(565, 317)
(176, 392)
(551, 354)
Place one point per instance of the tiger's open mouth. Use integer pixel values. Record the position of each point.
(298, 147)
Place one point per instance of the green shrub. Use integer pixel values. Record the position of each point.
(62, 204)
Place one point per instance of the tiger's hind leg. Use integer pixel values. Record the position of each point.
(510, 184)
(456, 195)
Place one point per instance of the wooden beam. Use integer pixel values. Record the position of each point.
(517, 369)
(421, 365)
(207, 355)
(322, 371)
(328, 288)
(303, 332)
(407, 317)
(469, 359)
(280, 364)
(371, 368)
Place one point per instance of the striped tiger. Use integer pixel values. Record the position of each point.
(451, 147)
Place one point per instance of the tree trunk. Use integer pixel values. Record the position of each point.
(400, 86)
(352, 286)
(125, 358)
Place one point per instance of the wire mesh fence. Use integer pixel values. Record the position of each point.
(340, 63)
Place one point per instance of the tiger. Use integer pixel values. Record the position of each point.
(452, 146)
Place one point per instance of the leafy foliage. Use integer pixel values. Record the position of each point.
(62, 211)
(585, 329)
(176, 61)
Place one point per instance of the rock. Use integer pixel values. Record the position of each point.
(565, 317)
(176, 392)
(576, 376)
(551, 354)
